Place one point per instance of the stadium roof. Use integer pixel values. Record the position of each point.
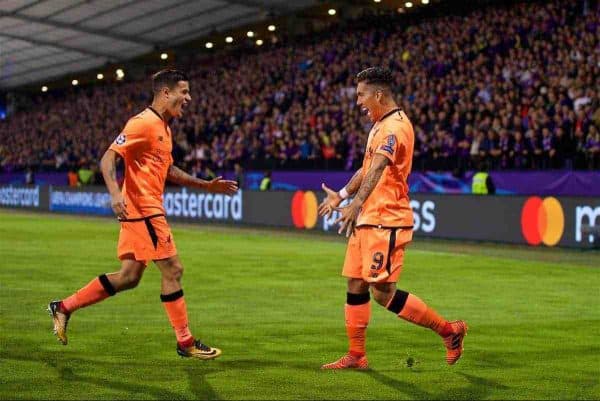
(40, 39)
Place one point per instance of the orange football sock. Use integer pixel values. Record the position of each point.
(358, 314)
(95, 291)
(411, 308)
(177, 312)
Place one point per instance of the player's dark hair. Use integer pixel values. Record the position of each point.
(376, 76)
(168, 78)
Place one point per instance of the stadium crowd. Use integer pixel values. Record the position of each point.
(512, 87)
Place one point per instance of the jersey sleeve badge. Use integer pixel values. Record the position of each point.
(121, 139)
(389, 145)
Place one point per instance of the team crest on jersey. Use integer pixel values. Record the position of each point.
(389, 145)
(121, 139)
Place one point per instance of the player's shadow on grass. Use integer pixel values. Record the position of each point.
(198, 370)
(197, 379)
(405, 387)
(477, 389)
(60, 360)
(494, 360)
(134, 389)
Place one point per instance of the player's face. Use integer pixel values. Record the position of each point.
(368, 99)
(179, 97)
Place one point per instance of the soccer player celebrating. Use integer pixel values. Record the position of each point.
(379, 222)
(145, 145)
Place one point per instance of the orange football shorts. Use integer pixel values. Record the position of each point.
(376, 254)
(147, 239)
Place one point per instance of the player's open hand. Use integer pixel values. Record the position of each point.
(221, 186)
(348, 217)
(331, 201)
(118, 205)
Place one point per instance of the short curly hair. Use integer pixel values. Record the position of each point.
(168, 78)
(376, 76)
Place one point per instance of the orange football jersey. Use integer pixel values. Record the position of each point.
(145, 145)
(388, 205)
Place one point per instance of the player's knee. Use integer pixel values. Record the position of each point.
(134, 281)
(178, 273)
(357, 286)
(382, 295)
(130, 280)
(175, 272)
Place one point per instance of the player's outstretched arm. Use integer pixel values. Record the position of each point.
(349, 214)
(354, 184)
(371, 179)
(108, 166)
(217, 185)
(333, 198)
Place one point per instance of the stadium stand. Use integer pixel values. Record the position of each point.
(513, 87)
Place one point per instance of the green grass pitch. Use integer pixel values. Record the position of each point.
(273, 301)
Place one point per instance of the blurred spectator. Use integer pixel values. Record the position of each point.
(85, 175)
(207, 173)
(265, 183)
(592, 146)
(29, 176)
(239, 176)
(482, 183)
(520, 153)
(73, 178)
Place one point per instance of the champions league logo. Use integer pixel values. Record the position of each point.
(120, 139)
(389, 145)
